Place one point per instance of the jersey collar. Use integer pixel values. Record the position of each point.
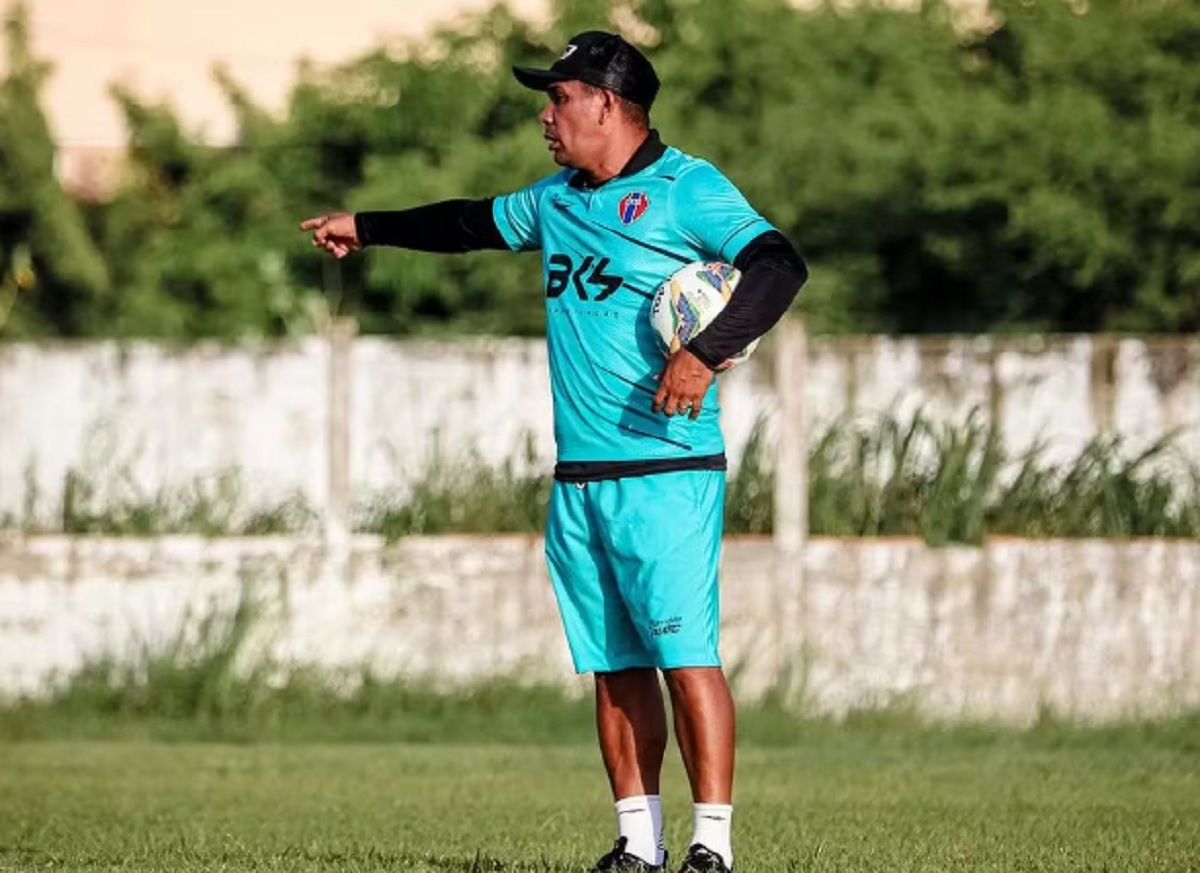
(648, 152)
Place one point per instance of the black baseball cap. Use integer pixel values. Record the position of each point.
(602, 59)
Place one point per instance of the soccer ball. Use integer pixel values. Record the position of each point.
(688, 301)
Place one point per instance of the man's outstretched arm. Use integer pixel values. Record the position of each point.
(449, 226)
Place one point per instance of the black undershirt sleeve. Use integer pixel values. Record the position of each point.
(772, 274)
(447, 227)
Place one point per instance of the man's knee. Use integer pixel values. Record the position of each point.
(702, 675)
(634, 697)
(705, 685)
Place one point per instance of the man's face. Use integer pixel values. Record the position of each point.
(571, 123)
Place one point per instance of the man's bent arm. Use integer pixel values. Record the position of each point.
(447, 227)
(772, 273)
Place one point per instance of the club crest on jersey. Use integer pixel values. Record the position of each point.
(632, 207)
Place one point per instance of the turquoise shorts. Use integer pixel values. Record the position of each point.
(634, 564)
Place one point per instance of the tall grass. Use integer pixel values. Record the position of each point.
(463, 495)
(116, 505)
(750, 491)
(943, 482)
(958, 484)
(196, 675)
(912, 478)
(209, 682)
(1105, 492)
(946, 483)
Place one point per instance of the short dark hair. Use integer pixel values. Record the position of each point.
(636, 113)
(633, 112)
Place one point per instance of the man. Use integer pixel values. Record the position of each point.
(633, 538)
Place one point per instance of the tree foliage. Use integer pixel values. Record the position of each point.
(1032, 166)
(45, 244)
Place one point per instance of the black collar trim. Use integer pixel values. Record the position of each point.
(651, 149)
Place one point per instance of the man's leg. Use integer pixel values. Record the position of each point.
(704, 726)
(672, 530)
(630, 717)
(631, 722)
(663, 537)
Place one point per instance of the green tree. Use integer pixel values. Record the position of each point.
(1033, 166)
(1067, 182)
(205, 236)
(48, 259)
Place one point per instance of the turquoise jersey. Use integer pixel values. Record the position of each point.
(604, 252)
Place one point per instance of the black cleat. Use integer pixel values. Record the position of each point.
(620, 861)
(700, 860)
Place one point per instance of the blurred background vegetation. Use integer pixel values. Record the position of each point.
(1029, 165)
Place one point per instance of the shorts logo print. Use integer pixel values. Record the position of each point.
(667, 626)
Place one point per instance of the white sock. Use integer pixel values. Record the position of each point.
(660, 845)
(711, 829)
(639, 821)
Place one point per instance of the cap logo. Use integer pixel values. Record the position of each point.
(632, 207)
(571, 49)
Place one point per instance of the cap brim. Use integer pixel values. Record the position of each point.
(538, 80)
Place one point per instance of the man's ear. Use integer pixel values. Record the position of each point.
(608, 105)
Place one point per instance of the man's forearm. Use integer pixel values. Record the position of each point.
(448, 227)
(772, 274)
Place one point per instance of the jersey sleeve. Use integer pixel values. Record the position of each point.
(714, 215)
(517, 215)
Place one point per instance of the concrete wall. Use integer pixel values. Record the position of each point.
(144, 418)
(1088, 629)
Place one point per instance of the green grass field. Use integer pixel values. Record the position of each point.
(184, 763)
(862, 797)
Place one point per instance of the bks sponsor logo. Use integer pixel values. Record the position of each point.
(589, 280)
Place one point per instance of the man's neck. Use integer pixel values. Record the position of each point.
(616, 159)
